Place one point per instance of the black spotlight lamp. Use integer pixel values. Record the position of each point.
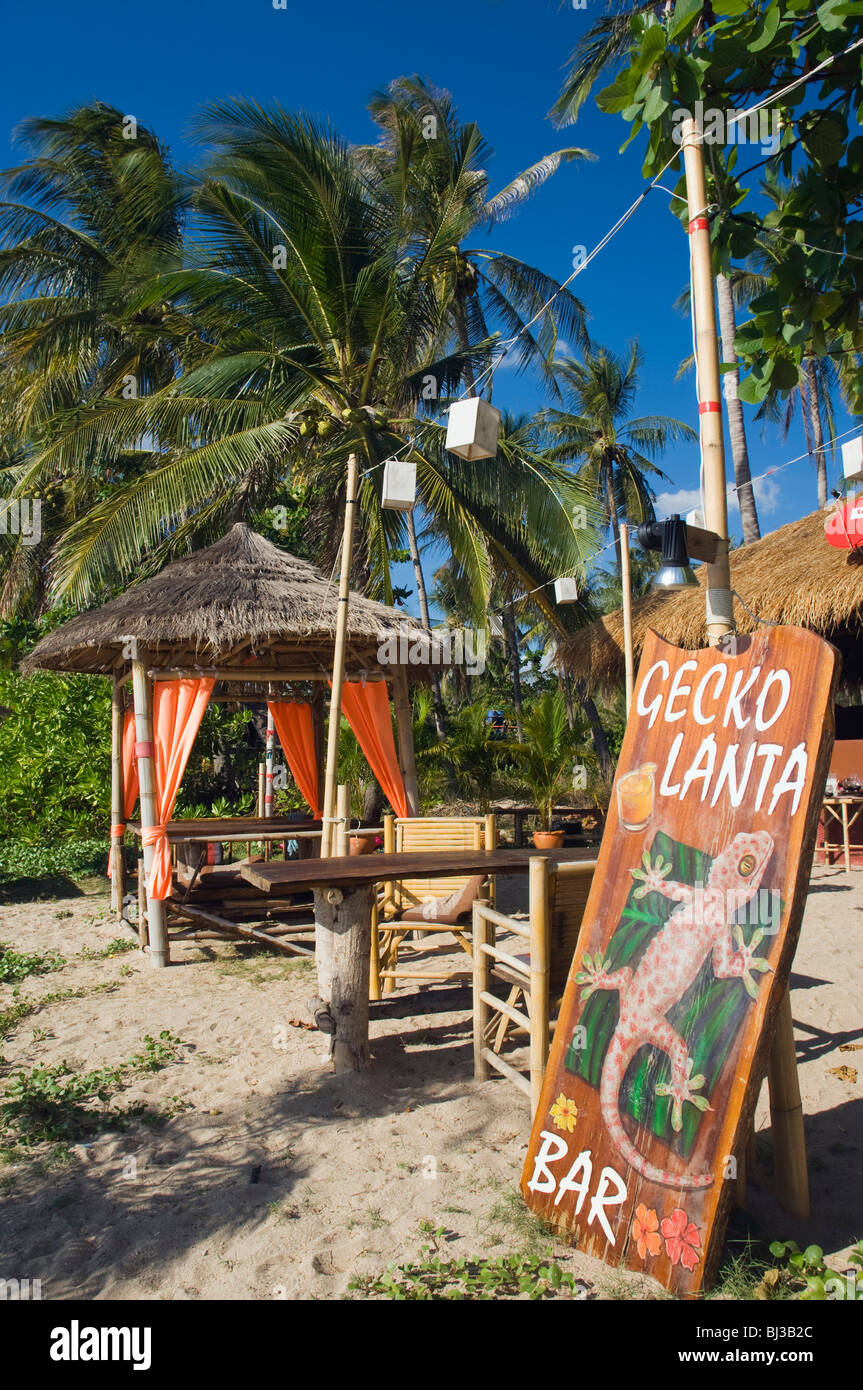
(669, 538)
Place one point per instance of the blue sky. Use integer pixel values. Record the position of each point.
(503, 61)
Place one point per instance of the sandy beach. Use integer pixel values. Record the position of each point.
(257, 1174)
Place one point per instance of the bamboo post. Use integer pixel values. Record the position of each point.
(142, 903)
(720, 615)
(789, 1139)
(142, 692)
(268, 780)
(343, 815)
(262, 784)
(389, 848)
(118, 856)
(786, 1117)
(626, 593)
(405, 727)
(538, 872)
(318, 730)
(339, 660)
(481, 980)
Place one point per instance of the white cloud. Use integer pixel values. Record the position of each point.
(767, 498)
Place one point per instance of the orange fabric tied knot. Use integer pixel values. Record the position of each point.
(117, 832)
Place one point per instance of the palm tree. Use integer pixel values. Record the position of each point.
(93, 212)
(614, 452)
(317, 325)
(448, 198)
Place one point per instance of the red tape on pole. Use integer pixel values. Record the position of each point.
(698, 224)
(708, 407)
(143, 750)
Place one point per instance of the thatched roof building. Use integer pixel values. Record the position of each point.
(238, 601)
(791, 576)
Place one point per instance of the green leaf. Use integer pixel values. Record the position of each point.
(767, 29)
(685, 14)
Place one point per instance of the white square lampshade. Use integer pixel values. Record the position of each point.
(473, 429)
(400, 485)
(565, 590)
(852, 460)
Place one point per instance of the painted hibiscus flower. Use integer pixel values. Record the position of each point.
(645, 1231)
(681, 1239)
(564, 1112)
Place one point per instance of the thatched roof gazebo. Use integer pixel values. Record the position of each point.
(239, 620)
(791, 576)
(226, 608)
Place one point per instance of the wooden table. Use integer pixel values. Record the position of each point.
(344, 895)
(349, 873)
(837, 808)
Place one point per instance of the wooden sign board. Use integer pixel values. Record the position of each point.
(684, 952)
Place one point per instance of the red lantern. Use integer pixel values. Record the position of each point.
(844, 526)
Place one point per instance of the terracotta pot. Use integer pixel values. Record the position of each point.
(548, 839)
(361, 844)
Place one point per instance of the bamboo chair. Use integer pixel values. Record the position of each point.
(390, 930)
(536, 978)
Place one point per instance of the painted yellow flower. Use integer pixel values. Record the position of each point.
(564, 1112)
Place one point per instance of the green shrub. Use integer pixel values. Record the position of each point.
(17, 965)
(58, 859)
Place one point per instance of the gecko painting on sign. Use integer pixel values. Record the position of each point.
(684, 951)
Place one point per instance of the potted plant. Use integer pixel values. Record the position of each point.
(548, 756)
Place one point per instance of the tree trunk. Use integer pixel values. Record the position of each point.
(566, 687)
(422, 595)
(734, 406)
(515, 660)
(611, 504)
(597, 733)
(343, 926)
(814, 406)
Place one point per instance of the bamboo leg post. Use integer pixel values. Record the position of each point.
(343, 818)
(405, 727)
(626, 591)
(339, 660)
(481, 981)
(142, 903)
(539, 962)
(375, 955)
(142, 693)
(262, 788)
(118, 856)
(342, 957)
(786, 1118)
(490, 833)
(846, 837)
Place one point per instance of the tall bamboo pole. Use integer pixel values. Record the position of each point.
(789, 1137)
(118, 854)
(720, 616)
(339, 660)
(271, 739)
(626, 592)
(142, 692)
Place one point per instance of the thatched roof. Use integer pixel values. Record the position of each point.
(791, 576)
(224, 606)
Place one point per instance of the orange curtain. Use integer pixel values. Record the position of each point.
(130, 778)
(178, 708)
(296, 732)
(367, 710)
